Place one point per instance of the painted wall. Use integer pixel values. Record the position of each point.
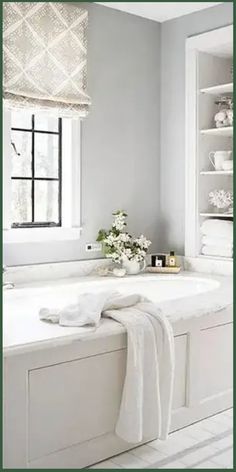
(172, 166)
(120, 137)
(133, 139)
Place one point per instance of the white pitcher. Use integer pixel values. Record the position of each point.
(133, 267)
(218, 157)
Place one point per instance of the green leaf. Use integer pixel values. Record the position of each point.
(102, 234)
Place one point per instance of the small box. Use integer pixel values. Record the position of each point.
(158, 260)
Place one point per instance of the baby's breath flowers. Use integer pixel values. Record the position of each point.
(119, 245)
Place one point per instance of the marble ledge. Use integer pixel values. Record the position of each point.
(19, 275)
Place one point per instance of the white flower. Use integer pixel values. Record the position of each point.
(139, 257)
(141, 253)
(110, 239)
(119, 221)
(114, 256)
(123, 237)
(127, 252)
(142, 242)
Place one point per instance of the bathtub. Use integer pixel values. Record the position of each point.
(63, 386)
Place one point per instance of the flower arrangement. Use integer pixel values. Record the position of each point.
(119, 245)
(221, 199)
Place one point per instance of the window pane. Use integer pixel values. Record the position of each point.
(45, 123)
(21, 119)
(46, 201)
(46, 155)
(21, 144)
(21, 201)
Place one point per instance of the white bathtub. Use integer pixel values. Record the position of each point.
(167, 287)
(156, 289)
(64, 384)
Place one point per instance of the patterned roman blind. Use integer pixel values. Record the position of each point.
(45, 57)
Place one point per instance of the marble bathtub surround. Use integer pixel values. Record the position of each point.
(50, 355)
(46, 272)
(68, 353)
(20, 337)
(30, 274)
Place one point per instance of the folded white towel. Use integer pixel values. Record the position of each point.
(219, 228)
(217, 251)
(145, 409)
(216, 241)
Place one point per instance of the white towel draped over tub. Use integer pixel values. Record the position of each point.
(145, 409)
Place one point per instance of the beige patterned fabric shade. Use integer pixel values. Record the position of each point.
(45, 57)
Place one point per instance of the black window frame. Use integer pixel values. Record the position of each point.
(33, 178)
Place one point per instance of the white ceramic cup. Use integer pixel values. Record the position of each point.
(218, 157)
(227, 165)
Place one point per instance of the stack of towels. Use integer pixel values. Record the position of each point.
(217, 238)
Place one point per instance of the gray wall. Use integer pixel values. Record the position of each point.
(130, 61)
(172, 191)
(120, 137)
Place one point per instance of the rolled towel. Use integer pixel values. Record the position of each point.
(217, 251)
(217, 241)
(219, 228)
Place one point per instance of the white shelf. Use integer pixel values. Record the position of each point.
(216, 172)
(218, 89)
(224, 131)
(217, 215)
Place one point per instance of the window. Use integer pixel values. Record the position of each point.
(36, 175)
(41, 185)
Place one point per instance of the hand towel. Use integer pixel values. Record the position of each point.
(216, 227)
(217, 251)
(217, 241)
(147, 394)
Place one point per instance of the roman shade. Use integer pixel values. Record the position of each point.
(45, 57)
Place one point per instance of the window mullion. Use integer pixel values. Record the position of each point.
(7, 168)
(60, 169)
(33, 168)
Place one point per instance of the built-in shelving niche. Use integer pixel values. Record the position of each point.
(209, 76)
(210, 137)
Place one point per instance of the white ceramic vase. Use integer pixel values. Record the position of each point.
(133, 267)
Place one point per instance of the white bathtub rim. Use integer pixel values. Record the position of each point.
(194, 306)
(45, 284)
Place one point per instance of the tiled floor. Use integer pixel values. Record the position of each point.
(207, 444)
